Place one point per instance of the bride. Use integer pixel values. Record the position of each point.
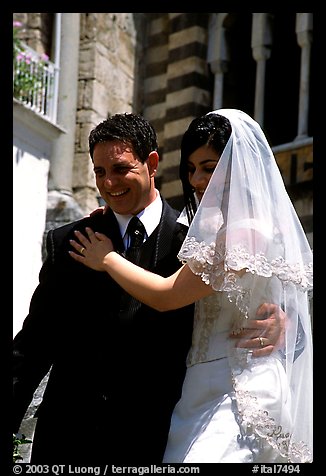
(245, 247)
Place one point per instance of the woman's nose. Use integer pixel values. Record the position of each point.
(198, 180)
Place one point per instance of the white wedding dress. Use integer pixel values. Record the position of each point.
(217, 419)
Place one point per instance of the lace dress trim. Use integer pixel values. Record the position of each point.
(206, 312)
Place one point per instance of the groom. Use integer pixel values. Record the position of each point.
(116, 369)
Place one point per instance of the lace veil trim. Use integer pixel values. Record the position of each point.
(254, 419)
(215, 266)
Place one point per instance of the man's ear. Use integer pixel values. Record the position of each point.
(152, 161)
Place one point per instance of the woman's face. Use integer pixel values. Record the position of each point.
(201, 165)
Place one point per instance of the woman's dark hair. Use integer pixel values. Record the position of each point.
(132, 129)
(212, 130)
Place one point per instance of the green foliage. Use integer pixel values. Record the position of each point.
(28, 70)
(18, 439)
(16, 41)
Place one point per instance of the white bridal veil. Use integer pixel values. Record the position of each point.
(246, 220)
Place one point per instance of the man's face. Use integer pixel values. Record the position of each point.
(125, 183)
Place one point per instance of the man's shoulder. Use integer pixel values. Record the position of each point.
(67, 228)
(169, 210)
(169, 224)
(170, 217)
(61, 233)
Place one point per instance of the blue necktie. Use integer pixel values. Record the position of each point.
(136, 233)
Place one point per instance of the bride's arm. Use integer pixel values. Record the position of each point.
(163, 294)
(178, 290)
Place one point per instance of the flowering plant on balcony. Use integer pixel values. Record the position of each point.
(29, 67)
(16, 41)
(18, 440)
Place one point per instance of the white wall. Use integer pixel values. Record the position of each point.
(32, 142)
(30, 175)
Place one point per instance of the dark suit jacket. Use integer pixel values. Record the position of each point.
(114, 379)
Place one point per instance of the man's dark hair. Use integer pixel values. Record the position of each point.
(131, 129)
(213, 130)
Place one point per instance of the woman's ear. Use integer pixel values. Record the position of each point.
(152, 161)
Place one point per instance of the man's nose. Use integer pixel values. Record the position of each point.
(109, 180)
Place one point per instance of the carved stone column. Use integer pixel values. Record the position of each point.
(304, 38)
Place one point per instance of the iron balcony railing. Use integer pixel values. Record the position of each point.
(35, 82)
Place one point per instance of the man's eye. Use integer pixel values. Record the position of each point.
(98, 173)
(122, 170)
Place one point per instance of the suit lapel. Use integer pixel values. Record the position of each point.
(165, 228)
(155, 249)
(108, 224)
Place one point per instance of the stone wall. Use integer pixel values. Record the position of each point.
(108, 68)
(177, 87)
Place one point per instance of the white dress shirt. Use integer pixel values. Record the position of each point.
(150, 218)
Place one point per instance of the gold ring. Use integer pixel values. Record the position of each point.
(82, 249)
(261, 341)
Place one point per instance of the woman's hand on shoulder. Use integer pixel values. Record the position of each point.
(91, 249)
